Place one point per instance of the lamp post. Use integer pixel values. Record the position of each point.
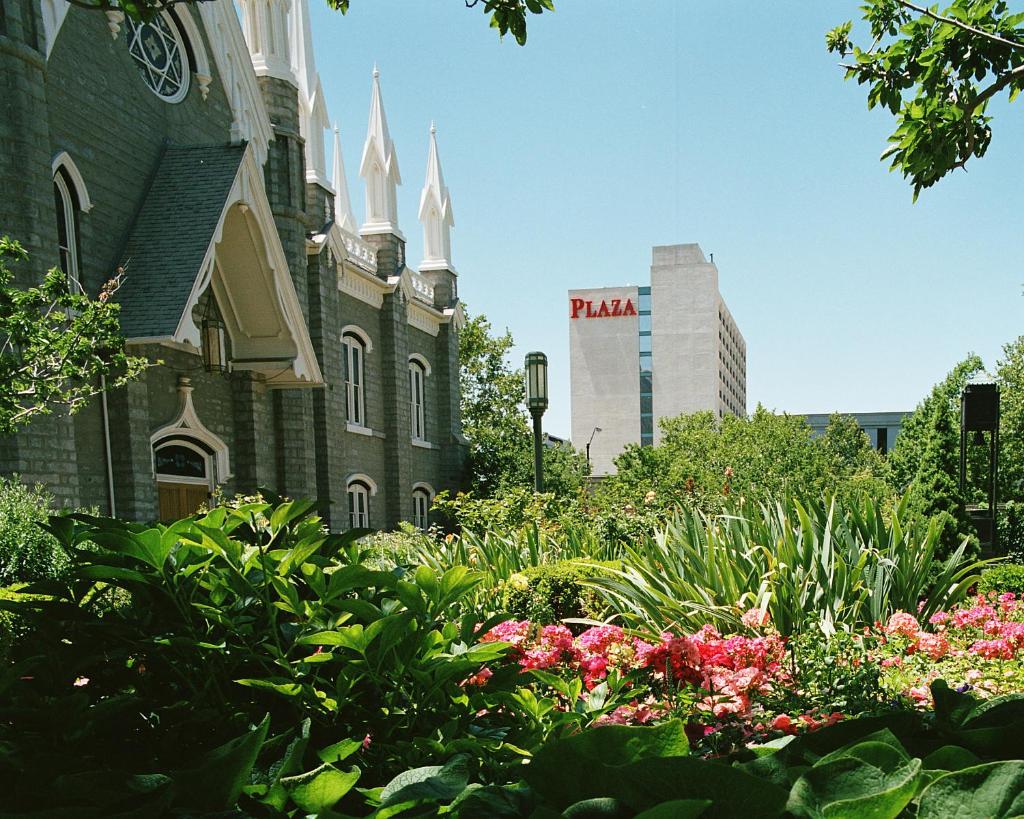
(592, 434)
(537, 402)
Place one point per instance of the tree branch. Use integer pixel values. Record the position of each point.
(960, 25)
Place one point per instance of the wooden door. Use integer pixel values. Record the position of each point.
(179, 500)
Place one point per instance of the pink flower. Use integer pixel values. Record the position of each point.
(992, 649)
(920, 695)
(480, 678)
(784, 723)
(755, 618)
(366, 741)
(935, 646)
(892, 662)
(902, 623)
(598, 639)
(940, 618)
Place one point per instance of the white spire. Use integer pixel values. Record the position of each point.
(342, 204)
(436, 213)
(265, 24)
(379, 167)
(313, 119)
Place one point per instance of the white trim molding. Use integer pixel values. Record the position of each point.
(362, 477)
(421, 360)
(248, 193)
(203, 73)
(64, 161)
(188, 426)
(358, 429)
(424, 486)
(359, 333)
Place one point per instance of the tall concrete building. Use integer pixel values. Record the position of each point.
(638, 354)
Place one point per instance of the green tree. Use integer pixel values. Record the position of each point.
(495, 422)
(508, 16)
(55, 344)
(702, 460)
(1010, 374)
(935, 491)
(936, 71)
(909, 447)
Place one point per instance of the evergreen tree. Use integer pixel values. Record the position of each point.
(935, 491)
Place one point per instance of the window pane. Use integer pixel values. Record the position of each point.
(645, 345)
(645, 302)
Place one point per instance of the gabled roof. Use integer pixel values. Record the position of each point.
(172, 234)
(206, 223)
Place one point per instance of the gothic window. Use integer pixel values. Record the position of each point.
(160, 55)
(65, 203)
(417, 393)
(355, 378)
(420, 507)
(358, 505)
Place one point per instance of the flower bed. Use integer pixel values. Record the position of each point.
(977, 647)
(740, 688)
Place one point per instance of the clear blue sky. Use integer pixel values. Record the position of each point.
(623, 125)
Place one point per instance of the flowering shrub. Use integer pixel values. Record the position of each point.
(728, 687)
(977, 646)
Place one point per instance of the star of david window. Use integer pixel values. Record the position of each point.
(159, 53)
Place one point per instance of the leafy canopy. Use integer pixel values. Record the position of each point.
(495, 422)
(936, 72)
(55, 344)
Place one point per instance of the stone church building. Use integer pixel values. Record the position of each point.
(295, 349)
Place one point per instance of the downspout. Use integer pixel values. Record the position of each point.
(106, 444)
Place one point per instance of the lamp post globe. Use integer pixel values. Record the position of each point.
(536, 402)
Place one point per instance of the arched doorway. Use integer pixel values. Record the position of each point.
(183, 477)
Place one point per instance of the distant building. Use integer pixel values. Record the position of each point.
(880, 427)
(638, 354)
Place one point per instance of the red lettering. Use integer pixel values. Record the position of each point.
(616, 307)
(629, 309)
(590, 309)
(602, 311)
(577, 305)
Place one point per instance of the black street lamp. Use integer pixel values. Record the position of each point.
(537, 402)
(592, 434)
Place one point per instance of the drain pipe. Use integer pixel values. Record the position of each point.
(106, 443)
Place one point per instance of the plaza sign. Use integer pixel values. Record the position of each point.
(610, 308)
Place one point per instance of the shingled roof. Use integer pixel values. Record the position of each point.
(172, 234)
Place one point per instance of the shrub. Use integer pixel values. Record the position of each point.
(1011, 530)
(27, 551)
(553, 592)
(1001, 579)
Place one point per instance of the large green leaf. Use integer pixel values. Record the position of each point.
(320, 789)
(676, 809)
(734, 793)
(992, 791)
(868, 781)
(440, 783)
(217, 780)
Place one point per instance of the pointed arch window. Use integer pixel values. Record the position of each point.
(67, 208)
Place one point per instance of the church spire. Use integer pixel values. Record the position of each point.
(436, 213)
(342, 204)
(379, 168)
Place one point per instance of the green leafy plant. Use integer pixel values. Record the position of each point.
(27, 551)
(813, 564)
(552, 592)
(1000, 579)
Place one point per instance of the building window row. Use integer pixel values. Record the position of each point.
(355, 345)
(361, 489)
